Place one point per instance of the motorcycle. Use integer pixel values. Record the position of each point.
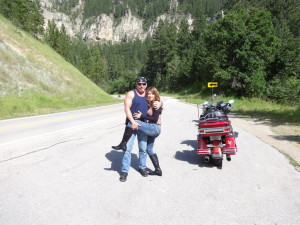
(215, 134)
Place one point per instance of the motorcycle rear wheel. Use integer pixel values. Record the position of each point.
(218, 162)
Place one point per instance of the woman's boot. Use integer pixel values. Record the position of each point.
(126, 136)
(155, 162)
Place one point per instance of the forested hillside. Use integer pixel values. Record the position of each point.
(251, 47)
(252, 52)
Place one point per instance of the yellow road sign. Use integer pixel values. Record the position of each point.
(212, 84)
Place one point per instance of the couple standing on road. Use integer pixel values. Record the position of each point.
(141, 105)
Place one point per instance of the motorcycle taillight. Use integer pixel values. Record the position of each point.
(201, 131)
(227, 129)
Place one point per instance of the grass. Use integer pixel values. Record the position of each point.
(255, 108)
(291, 161)
(36, 103)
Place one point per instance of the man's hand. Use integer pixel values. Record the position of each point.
(135, 126)
(157, 104)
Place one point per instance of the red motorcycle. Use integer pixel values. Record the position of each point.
(216, 136)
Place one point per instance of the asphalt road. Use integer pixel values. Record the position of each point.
(59, 169)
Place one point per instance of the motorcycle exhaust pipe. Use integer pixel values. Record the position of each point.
(228, 157)
(206, 159)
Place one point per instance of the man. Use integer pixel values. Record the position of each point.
(135, 101)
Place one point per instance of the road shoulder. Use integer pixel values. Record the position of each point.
(283, 137)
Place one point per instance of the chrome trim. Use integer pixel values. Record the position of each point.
(212, 146)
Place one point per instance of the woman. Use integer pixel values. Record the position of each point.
(151, 127)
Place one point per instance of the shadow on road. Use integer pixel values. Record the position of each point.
(191, 156)
(193, 143)
(115, 157)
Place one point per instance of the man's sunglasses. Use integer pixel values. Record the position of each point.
(140, 84)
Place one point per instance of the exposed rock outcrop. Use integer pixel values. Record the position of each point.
(103, 28)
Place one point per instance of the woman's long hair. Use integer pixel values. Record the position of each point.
(155, 92)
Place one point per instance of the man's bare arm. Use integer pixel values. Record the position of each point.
(127, 105)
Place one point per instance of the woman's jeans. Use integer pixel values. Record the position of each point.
(142, 142)
(150, 145)
(152, 130)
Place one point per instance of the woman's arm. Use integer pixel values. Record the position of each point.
(153, 118)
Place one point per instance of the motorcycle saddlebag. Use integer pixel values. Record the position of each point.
(230, 148)
(202, 146)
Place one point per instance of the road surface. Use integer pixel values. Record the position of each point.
(59, 169)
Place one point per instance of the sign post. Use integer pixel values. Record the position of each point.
(212, 85)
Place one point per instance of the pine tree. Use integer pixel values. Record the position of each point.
(52, 35)
(97, 70)
(26, 14)
(63, 43)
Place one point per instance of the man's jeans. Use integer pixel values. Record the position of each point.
(150, 129)
(142, 142)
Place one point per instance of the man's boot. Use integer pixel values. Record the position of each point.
(155, 162)
(126, 136)
(143, 172)
(123, 176)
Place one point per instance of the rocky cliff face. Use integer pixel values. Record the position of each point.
(103, 27)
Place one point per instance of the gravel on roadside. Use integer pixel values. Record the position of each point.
(283, 137)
